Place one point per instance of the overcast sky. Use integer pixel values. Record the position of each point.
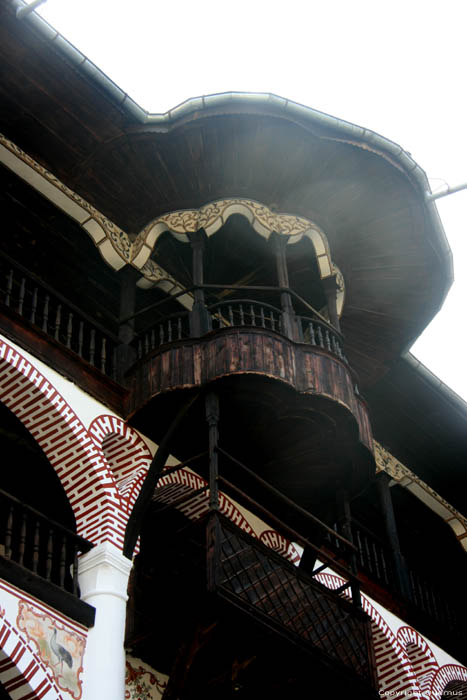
(397, 68)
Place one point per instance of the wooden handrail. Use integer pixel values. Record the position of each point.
(335, 565)
(162, 319)
(84, 545)
(63, 299)
(232, 302)
(177, 467)
(289, 502)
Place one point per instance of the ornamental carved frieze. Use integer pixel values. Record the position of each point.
(402, 475)
(118, 250)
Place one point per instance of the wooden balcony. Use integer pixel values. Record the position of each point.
(40, 556)
(45, 322)
(418, 598)
(245, 601)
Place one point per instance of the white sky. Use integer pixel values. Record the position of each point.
(397, 68)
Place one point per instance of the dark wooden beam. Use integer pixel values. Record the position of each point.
(150, 483)
(47, 592)
(384, 492)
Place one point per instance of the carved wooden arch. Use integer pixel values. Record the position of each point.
(212, 216)
(64, 440)
(22, 672)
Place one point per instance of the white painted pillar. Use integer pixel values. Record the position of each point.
(103, 579)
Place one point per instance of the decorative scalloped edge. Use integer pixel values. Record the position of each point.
(212, 216)
(385, 461)
(116, 248)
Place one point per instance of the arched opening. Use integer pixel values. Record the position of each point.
(304, 274)
(237, 255)
(59, 432)
(28, 474)
(450, 681)
(36, 519)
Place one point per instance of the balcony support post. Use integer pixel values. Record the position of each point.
(346, 519)
(212, 417)
(330, 290)
(125, 353)
(289, 325)
(200, 321)
(384, 492)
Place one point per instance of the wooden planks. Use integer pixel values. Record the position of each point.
(197, 362)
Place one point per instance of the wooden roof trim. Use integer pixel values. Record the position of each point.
(403, 476)
(225, 104)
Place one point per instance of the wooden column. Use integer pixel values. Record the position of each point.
(126, 354)
(212, 417)
(384, 492)
(199, 317)
(330, 290)
(288, 315)
(346, 520)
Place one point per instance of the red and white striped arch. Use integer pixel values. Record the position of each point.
(126, 453)
(79, 463)
(423, 661)
(446, 675)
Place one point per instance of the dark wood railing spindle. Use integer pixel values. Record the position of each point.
(22, 538)
(32, 317)
(45, 314)
(49, 555)
(69, 330)
(92, 346)
(103, 355)
(62, 561)
(58, 319)
(9, 288)
(80, 338)
(9, 532)
(22, 291)
(35, 547)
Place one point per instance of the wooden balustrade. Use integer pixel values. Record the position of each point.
(53, 314)
(375, 560)
(312, 330)
(39, 544)
(317, 333)
(245, 312)
(167, 330)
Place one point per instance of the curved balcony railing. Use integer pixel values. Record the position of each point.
(321, 335)
(245, 312)
(169, 329)
(310, 328)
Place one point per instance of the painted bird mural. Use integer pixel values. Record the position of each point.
(62, 654)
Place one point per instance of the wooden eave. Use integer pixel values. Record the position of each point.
(432, 442)
(370, 205)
